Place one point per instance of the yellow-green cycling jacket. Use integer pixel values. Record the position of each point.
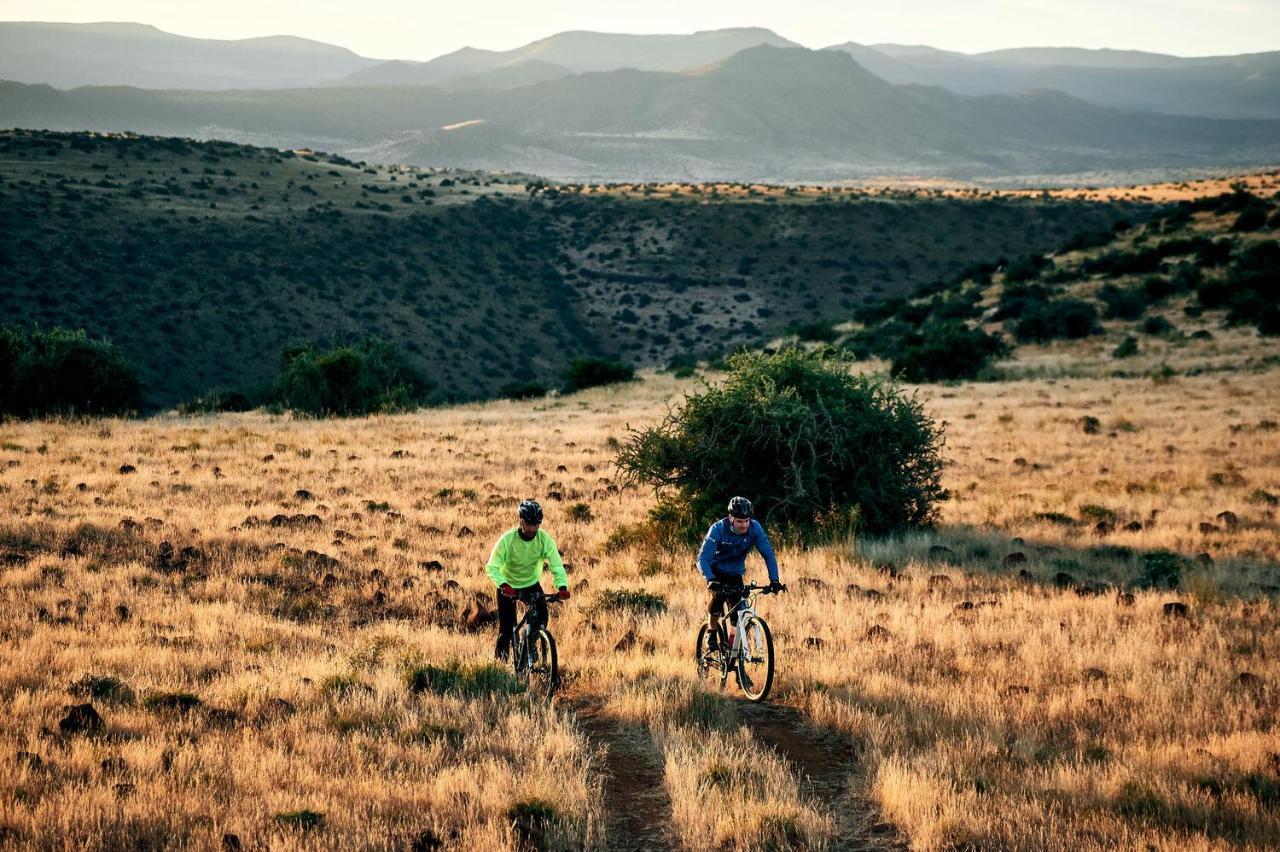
(520, 563)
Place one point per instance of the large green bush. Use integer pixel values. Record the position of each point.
(946, 351)
(812, 444)
(56, 372)
(349, 380)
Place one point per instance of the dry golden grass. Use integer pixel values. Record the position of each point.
(1045, 719)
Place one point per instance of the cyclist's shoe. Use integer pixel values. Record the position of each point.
(713, 642)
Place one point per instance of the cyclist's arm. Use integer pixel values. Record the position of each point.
(708, 550)
(497, 567)
(766, 551)
(552, 554)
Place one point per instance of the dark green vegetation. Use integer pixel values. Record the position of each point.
(816, 448)
(1193, 255)
(46, 373)
(204, 261)
(372, 376)
(586, 373)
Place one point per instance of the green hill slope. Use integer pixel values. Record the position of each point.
(204, 260)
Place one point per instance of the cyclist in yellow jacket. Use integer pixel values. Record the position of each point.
(515, 566)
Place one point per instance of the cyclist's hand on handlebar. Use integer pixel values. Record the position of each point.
(714, 586)
(775, 587)
(507, 591)
(563, 594)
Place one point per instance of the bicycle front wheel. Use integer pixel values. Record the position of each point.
(755, 662)
(543, 666)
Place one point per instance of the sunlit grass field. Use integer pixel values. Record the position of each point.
(314, 672)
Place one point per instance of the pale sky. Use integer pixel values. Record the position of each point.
(402, 29)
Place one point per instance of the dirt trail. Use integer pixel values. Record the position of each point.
(827, 763)
(637, 808)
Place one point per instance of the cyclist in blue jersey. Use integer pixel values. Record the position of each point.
(723, 560)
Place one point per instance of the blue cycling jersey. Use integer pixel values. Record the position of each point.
(724, 552)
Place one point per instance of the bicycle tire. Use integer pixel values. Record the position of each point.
(544, 678)
(755, 683)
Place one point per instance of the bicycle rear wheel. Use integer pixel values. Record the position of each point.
(755, 663)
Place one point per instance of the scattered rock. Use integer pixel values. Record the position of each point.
(1204, 560)
(273, 710)
(1089, 425)
(964, 606)
(303, 494)
(81, 719)
(128, 468)
(626, 643)
(1175, 609)
(1063, 580)
(1015, 558)
(1249, 680)
(877, 633)
(292, 521)
(814, 642)
(427, 841)
(888, 569)
(1094, 674)
(872, 595)
(124, 789)
(477, 616)
(221, 717)
(810, 583)
(940, 553)
(466, 532)
(401, 454)
(28, 760)
(1133, 526)
(431, 565)
(939, 581)
(1103, 528)
(1024, 574)
(1015, 689)
(1124, 599)
(231, 843)
(1092, 589)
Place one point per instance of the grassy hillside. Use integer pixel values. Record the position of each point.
(204, 260)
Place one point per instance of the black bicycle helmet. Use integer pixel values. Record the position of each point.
(530, 512)
(740, 507)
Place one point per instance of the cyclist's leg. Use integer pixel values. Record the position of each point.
(506, 623)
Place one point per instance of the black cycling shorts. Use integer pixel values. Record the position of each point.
(730, 593)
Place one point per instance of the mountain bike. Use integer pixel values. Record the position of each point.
(533, 651)
(750, 653)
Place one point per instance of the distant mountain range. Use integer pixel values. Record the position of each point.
(66, 56)
(764, 113)
(1246, 86)
(69, 55)
(739, 104)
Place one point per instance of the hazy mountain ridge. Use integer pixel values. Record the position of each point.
(71, 55)
(764, 113)
(1244, 86)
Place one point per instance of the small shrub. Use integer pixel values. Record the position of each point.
(585, 373)
(454, 678)
(816, 330)
(1123, 302)
(1062, 319)
(635, 600)
(182, 702)
(303, 819)
(523, 390)
(1252, 218)
(580, 513)
(1157, 326)
(1026, 268)
(102, 687)
(1127, 348)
